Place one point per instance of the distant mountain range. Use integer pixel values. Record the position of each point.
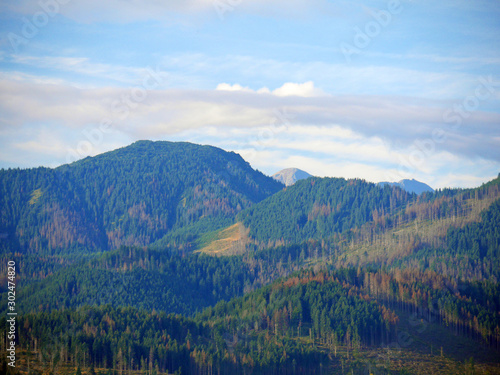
(411, 186)
(290, 176)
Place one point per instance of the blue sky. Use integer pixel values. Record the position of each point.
(381, 90)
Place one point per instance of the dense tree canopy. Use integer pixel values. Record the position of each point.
(131, 196)
(319, 207)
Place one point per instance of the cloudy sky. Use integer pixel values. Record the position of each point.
(381, 90)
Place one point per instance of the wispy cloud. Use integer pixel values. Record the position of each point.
(81, 66)
(338, 151)
(397, 120)
(382, 78)
(133, 10)
(250, 73)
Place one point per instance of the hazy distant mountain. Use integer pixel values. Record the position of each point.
(412, 186)
(290, 176)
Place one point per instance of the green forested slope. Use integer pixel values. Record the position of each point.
(311, 322)
(320, 207)
(131, 196)
(131, 339)
(146, 279)
(185, 283)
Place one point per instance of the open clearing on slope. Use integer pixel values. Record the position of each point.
(228, 241)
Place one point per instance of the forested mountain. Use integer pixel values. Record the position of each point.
(131, 196)
(326, 276)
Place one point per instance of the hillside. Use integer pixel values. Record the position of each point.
(329, 208)
(338, 322)
(171, 282)
(318, 208)
(365, 321)
(131, 196)
(147, 279)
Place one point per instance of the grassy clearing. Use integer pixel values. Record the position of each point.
(35, 196)
(228, 241)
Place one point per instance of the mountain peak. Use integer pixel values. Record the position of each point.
(410, 185)
(290, 176)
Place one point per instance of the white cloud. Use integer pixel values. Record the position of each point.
(333, 76)
(335, 131)
(305, 90)
(235, 87)
(287, 78)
